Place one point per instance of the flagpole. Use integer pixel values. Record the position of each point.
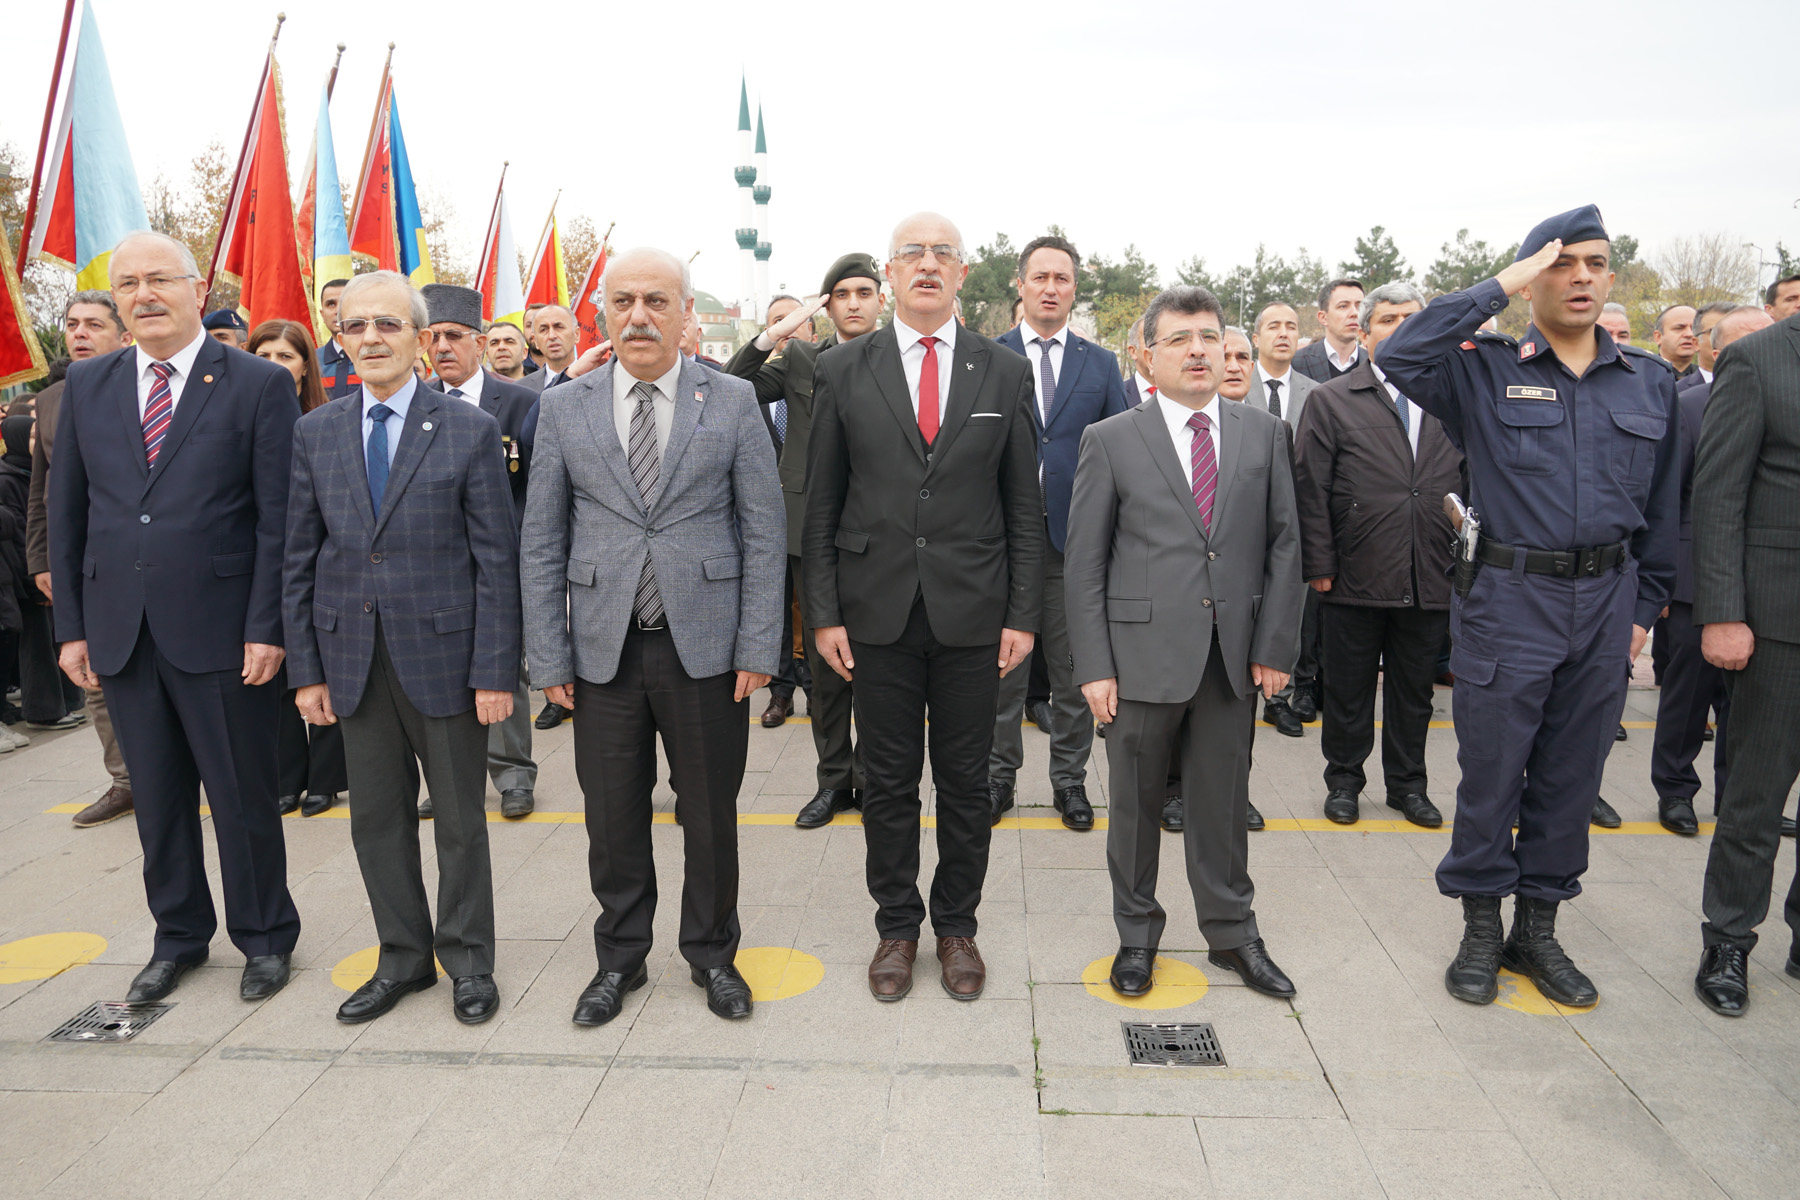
(31, 201)
(331, 80)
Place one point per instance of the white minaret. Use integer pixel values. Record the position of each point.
(761, 194)
(745, 174)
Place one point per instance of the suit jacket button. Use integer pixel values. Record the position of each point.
(649, 533)
(137, 566)
(1046, 441)
(919, 542)
(924, 493)
(143, 518)
(368, 606)
(374, 558)
(1206, 604)
(1212, 554)
(1415, 491)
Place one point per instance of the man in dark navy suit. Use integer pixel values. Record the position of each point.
(457, 348)
(167, 510)
(1075, 383)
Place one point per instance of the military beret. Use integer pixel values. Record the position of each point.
(225, 318)
(456, 305)
(851, 266)
(1577, 225)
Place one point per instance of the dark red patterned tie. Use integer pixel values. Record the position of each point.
(928, 391)
(158, 411)
(1205, 467)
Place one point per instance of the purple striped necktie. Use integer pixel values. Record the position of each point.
(1205, 467)
(159, 410)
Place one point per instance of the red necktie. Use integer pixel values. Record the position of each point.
(928, 390)
(1205, 467)
(158, 410)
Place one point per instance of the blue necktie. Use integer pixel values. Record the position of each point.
(378, 453)
(781, 420)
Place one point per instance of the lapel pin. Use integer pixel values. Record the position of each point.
(426, 425)
(206, 379)
(968, 366)
(699, 397)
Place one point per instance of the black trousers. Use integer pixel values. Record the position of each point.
(47, 693)
(386, 742)
(1690, 687)
(1356, 643)
(794, 672)
(310, 758)
(899, 686)
(177, 731)
(706, 735)
(830, 708)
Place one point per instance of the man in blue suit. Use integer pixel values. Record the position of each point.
(167, 507)
(401, 603)
(1076, 383)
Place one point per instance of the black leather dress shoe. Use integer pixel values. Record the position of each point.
(1077, 813)
(1131, 970)
(1252, 963)
(1001, 795)
(604, 995)
(727, 995)
(1253, 820)
(158, 979)
(1278, 714)
(1305, 704)
(378, 996)
(474, 998)
(1171, 815)
(1342, 807)
(1417, 808)
(317, 803)
(516, 803)
(1792, 966)
(553, 715)
(1706, 735)
(426, 810)
(826, 804)
(1605, 816)
(1040, 715)
(1620, 735)
(1676, 813)
(1723, 982)
(286, 804)
(264, 975)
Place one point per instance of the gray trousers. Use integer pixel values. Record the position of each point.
(1212, 733)
(109, 741)
(1764, 759)
(509, 743)
(1072, 723)
(381, 739)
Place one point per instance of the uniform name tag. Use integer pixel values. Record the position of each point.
(1531, 393)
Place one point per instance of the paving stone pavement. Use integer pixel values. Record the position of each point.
(1372, 1083)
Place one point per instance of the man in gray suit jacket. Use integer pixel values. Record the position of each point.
(1283, 390)
(400, 602)
(1746, 510)
(1184, 599)
(652, 567)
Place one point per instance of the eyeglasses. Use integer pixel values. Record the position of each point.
(386, 327)
(455, 334)
(913, 252)
(153, 283)
(1182, 338)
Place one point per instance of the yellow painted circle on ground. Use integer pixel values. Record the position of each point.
(46, 955)
(1521, 995)
(777, 972)
(359, 968)
(1173, 984)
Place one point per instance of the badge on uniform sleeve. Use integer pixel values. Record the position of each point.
(1531, 393)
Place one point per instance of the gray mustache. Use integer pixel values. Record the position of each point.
(641, 331)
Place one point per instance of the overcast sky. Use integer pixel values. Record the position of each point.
(1182, 128)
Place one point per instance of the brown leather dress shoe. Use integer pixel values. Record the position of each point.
(964, 972)
(779, 710)
(890, 972)
(114, 804)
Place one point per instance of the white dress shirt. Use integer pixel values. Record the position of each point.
(1035, 353)
(662, 406)
(1176, 416)
(1706, 375)
(1340, 364)
(1146, 389)
(912, 361)
(1412, 410)
(183, 362)
(1286, 393)
(470, 387)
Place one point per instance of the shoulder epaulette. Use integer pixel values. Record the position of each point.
(1646, 356)
(1495, 336)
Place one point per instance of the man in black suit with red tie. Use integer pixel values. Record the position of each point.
(168, 508)
(923, 541)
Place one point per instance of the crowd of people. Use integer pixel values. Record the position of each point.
(287, 573)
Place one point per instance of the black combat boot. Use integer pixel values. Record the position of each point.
(1473, 975)
(1532, 950)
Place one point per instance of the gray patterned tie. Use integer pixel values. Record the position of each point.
(1046, 375)
(646, 471)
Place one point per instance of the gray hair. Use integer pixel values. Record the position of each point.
(101, 298)
(1614, 306)
(1237, 331)
(185, 255)
(1398, 292)
(1183, 301)
(418, 313)
(687, 279)
(1134, 336)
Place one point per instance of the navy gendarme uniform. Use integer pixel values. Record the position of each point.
(1586, 466)
(337, 374)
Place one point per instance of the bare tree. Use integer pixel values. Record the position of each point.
(438, 214)
(1700, 268)
(580, 242)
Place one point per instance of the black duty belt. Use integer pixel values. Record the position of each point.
(1564, 564)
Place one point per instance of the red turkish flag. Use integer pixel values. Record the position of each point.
(258, 247)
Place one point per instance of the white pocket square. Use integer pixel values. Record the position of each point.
(972, 416)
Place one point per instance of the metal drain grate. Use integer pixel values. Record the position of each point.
(108, 1021)
(1172, 1044)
